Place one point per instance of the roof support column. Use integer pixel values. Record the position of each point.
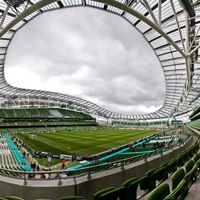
(159, 12)
(4, 16)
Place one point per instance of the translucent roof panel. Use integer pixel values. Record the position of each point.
(171, 30)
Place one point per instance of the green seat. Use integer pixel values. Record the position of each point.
(115, 194)
(144, 182)
(129, 181)
(196, 157)
(100, 192)
(198, 163)
(13, 198)
(148, 182)
(179, 192)
(189, 165)
(172, 166)
(180, 160)
(194, 149)
(177, 177)
(191, 177)
(72, 198)
(192, 174)
(164, 165)
(160, 192)
(148, 173)
(131, 190)
(161, 174)
(187, 155)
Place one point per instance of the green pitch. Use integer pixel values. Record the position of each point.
(83, 142)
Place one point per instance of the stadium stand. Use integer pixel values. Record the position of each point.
(157, 180)
(179, 182)
(19, 158)
(62, 198)
(31, 112)
(27, 117)
(136, 187)
(195, 125)
(196, 114)
(55, 113)
(171, 28)
(42, 113)
(10, 157)
(136, 123)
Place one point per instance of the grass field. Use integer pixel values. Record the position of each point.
(83, 142)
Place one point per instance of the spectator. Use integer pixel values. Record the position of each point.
(33, 164)
(42, 176)
(63, 164)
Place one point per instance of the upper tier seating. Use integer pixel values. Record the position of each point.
(42, 113)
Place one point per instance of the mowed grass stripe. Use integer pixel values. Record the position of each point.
(63, 143)
(38, 145)
(84, 142)
(83, 137)
(80, 142)
(70, 145)
(52, 145)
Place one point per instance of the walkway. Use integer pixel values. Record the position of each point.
(194, 192)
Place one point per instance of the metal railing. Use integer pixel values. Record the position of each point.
(60, 175)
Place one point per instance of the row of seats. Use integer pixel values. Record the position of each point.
(196, 114)
(129, 189)
(194, 124)
(183, 171)
(17, 154)
(41, 112)
(77, 122)
(62, 198)
(182, 180)
(7, 160)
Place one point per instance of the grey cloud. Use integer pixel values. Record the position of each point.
(122, 69)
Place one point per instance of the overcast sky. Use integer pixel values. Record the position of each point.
(89, 54)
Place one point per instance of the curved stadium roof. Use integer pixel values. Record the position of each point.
(171, 27)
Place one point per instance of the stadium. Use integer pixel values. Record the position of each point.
(58, 146)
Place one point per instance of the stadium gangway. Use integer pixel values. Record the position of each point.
(18, 156)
